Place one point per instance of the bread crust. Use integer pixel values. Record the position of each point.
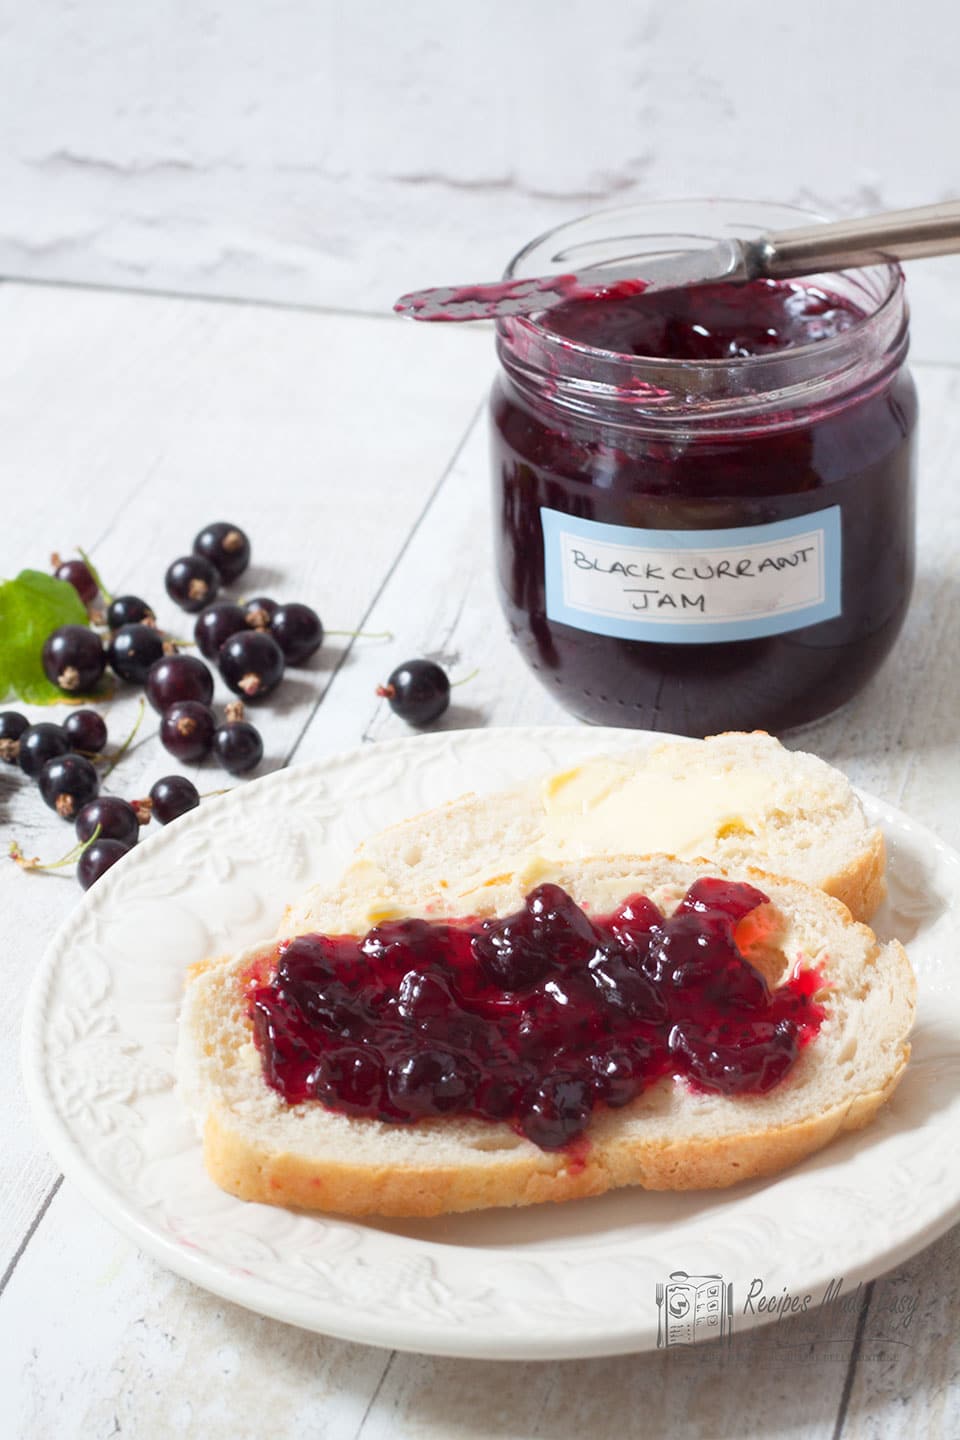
(862, 885)
(252, 1172)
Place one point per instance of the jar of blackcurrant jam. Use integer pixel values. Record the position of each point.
(704, 498)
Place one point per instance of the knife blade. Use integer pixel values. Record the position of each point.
(725, 260)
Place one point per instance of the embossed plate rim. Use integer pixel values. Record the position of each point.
(424, 1275)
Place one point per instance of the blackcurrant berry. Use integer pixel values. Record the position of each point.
(173, 796)
(186, 730)
(226, 547)
(192, 582)
(557, 1110)
(12, 726)
(116, 818)
(259, 611)
(40, 743)
(298, 631)
(238, 746)
(86, 731)
(97, 859)
(129, 610)
(252, 664)
(418, 691)
(77, 574)
(67, 783)
(178, 677)
(133, 649)
(73, 658)
(432, 1082)
(215, 625)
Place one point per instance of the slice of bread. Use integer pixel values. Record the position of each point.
(741, 799)
(258, 1147)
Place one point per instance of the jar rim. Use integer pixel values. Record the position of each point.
(893, 290)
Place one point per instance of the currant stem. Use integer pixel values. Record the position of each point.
(466, 679)
(363, 634)
(96, 575)
(127, 743)
(33, 862)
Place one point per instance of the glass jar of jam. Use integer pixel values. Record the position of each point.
(704, 498)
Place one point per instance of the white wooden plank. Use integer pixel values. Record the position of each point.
(99, 1341)
(126, 423)
(899, 737)
(441, 602)
(907, 1380)
(751, 1388)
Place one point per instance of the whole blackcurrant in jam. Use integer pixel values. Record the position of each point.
(226, 547)
(259, 611)
(115, 818)
(97, 859)
(172, 796)
(178, 677)
(132, 650)
(215, 625)
(298, 631)
(40, 743)
(12, 726)
(418, 691)
(86, 731)
(237, 744)
(129, 610)
(558, 1109)
(431, 1082)
(192, 582)
(614, 1078)
(186, 730)
(252, 664)
(67, 783)
(73, 658)
(77, 574)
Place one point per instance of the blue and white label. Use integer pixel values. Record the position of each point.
(685, 587)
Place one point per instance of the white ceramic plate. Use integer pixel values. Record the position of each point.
(550, 1281)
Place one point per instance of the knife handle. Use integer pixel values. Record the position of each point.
(870, 240)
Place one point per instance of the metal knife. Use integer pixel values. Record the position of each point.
(832, 245)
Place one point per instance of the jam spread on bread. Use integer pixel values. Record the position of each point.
(536, 1019)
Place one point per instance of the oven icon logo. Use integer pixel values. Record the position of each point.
(693, 1308)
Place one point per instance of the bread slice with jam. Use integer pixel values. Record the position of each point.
(688, 1126)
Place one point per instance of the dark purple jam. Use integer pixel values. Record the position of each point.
(706, 322)
(536, 1019)
(849, 444)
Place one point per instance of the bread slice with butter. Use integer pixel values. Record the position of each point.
(742, 799)
(672, 1137)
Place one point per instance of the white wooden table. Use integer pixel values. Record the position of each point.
(353, 451)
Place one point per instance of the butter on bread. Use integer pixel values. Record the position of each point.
(742, 799)
(671, 1137)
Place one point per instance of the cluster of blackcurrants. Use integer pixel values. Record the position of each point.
(61, 760)
(251, 644)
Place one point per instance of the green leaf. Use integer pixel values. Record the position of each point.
(30, 607)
